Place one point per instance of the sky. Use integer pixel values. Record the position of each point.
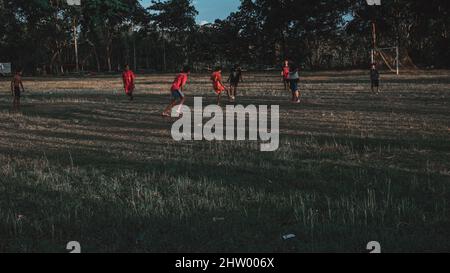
(210, 10)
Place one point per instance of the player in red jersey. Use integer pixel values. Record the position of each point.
(177, 91)
(285, 75)
(218, 85)
(128, 78)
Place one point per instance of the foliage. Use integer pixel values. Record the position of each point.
(38, 34)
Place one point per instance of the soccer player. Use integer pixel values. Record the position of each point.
(375, 78)
(293, 79)
(218, 85)
(285, 75)
(128, 78)
(16, 84)
(234, 80)
(177, 92)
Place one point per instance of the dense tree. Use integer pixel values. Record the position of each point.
(39, 35)
(106, 21)
(175, 20)
(421, 27)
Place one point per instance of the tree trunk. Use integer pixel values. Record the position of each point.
(164, 51)
(108, 57)
(75, 40)
(134, 54)
(94, 49)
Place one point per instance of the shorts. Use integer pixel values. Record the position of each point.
(375, 83)
(177, 94)
(234, 84)
(17, 92)
(219, 89)
(293, 85)
(129, 90)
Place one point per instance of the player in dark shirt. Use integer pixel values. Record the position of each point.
(375, 78)
(234, 80)
(294, 80)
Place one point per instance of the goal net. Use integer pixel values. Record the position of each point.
(393, 59)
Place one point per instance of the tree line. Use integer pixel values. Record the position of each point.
(51, 37)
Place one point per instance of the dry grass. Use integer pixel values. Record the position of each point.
(82, 163)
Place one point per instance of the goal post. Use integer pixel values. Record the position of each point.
(381, 55)
(393, 59)
(75, 3)
(5, 69)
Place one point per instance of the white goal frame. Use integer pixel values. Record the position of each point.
(397, 57)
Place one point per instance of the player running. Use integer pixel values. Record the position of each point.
(294, 79)
(128, 78)
(177, 92)
(234, 80)
(218, 85)
(285, 75)
(16, 85)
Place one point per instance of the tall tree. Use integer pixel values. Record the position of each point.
(103, 22)
(176, 21)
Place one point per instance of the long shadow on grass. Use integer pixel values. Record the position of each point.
(374, 143)
(53, 218)
(241, 168)
(121, 224)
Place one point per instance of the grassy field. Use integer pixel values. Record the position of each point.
(81, 163)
